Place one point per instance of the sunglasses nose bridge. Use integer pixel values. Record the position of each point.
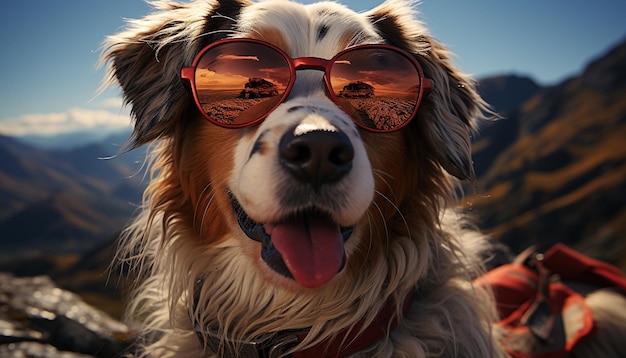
(310, 63)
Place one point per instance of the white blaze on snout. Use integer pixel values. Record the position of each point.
(258, 178)
(314, 122)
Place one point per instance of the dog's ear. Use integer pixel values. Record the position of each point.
(449, 111)
(146, 59)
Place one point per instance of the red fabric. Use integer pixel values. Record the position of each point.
(574, 266)
(512, 284)
(541, 317)
(519, 340)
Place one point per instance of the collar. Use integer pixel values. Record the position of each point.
(347, 342)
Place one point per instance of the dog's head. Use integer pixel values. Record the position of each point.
(306, 191)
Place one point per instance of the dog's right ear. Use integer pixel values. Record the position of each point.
(146, 58)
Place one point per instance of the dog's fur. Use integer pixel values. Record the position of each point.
(194, 263)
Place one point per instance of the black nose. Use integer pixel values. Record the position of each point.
(317, 157)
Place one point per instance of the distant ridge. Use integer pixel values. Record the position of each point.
(75, 140)
(506, 93)
(64, 200)
(555, 168)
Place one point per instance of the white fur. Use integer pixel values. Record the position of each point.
(256, 180)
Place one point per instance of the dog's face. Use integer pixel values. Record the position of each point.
(306, 195)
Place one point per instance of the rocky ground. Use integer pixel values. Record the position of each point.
(40, 320)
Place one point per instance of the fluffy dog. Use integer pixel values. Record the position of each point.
(300, 232)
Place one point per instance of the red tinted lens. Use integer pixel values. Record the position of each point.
(378, 87)
(238, 83)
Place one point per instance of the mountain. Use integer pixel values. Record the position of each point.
(74, 139)
(504, 94)
(554, 170)
(64, 200)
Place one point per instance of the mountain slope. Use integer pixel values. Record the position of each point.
(504, 94)
(562, 176)
(63, 200)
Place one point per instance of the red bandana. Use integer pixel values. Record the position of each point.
(542, 317)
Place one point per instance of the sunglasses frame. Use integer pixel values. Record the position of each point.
(303, 63)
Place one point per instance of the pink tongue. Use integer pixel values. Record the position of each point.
(311, 247)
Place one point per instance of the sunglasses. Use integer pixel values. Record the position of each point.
(238, 82)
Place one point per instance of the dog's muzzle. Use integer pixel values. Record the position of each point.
(307, 244)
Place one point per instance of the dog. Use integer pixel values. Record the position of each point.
(305, 162)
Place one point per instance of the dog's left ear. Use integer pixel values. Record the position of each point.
(450, 110)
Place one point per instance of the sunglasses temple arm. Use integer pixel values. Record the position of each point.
(186, 77)
(427, 84)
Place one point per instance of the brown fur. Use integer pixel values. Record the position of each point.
(185, 243)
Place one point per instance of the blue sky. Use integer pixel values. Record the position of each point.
(49, 50)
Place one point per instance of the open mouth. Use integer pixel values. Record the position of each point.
(307, 246)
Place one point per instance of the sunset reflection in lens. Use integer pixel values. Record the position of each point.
(238, 82)
(379, 88)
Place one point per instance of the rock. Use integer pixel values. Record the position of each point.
(39, 319)
(35, 350)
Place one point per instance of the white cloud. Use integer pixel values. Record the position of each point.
(73, 120)
(113, 102)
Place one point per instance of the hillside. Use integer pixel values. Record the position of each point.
(555, 168)
(63, 200)
(504, 94)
